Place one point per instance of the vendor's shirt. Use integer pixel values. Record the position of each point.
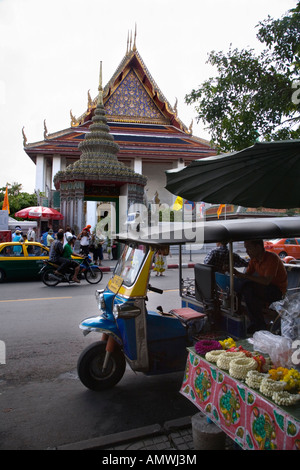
(270, 266)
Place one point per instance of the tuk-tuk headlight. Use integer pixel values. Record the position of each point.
(100, 299)
(126, 311)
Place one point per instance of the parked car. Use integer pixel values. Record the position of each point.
(284, 247)
(21, 261)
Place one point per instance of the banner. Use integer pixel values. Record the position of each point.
(220, 209)
(177, 204)
(5, 206)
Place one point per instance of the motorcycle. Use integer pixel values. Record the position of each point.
(156, 342)
(88, 271)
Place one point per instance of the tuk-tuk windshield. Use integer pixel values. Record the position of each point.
(130, 263)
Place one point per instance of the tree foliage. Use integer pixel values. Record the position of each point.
(254, 96)
(17, 199)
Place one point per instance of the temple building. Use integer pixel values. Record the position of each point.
(120, 146)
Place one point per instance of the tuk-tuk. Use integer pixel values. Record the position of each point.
(155, 342)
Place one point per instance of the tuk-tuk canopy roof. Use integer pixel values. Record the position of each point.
(217, 231)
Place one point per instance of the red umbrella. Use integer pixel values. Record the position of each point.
(39, 212)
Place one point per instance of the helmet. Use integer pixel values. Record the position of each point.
(69, 238)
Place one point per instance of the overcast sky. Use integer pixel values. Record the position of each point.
(50, 52)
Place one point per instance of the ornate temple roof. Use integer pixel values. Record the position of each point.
(140, 118)
(131, 95)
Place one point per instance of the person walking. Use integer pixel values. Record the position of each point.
(97, 242)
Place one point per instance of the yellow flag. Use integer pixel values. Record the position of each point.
(177, 204)
(220, 209)
(5, 206)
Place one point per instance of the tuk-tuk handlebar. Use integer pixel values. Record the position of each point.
(155, 289)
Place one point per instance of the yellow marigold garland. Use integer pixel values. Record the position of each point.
(291, 377)
(227, 343)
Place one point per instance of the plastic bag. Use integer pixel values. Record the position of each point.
(289, 311)
(278, 348)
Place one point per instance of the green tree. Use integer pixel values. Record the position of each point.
(254, 96)
(17, 199)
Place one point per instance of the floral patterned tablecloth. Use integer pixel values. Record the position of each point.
(250, 419)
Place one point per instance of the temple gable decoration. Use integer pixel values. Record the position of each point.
(131, 100)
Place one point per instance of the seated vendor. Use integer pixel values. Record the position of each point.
(265, 281)
(219, 258)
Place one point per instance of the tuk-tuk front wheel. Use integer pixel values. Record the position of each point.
(90, 367)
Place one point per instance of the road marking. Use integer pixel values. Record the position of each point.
(29, 300)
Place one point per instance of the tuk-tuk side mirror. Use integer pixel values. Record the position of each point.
(127, 311)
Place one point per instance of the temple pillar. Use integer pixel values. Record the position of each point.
(91, 214)
(40, 173)
(79, 223)
(78, 219)
(137, 165)
(56, 166)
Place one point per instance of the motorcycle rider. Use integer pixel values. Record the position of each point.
(67, 254)
(56, 253)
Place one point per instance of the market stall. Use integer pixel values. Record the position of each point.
(255, 403)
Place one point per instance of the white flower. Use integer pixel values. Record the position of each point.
(224, 360)
(269, 386)
(285, 398)
(238, 368)
(254, 378)
(212, 356)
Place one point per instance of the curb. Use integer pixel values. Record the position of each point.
(137, 434)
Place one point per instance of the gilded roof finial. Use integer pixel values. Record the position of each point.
(127, 50)
(74, 121)
(100, 89)
(130, 42)
(134, 43)
(45, 130)
(191, 127)
(175, 107)
(24, 137)
(90, 101)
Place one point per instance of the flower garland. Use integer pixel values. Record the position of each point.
(269, 386)
(223, 360)
(206, 345)
(285, 398)
(238, 368)
(212, 356)
(254, 378)
(278, 374)
(291, 377)
(227, 343)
